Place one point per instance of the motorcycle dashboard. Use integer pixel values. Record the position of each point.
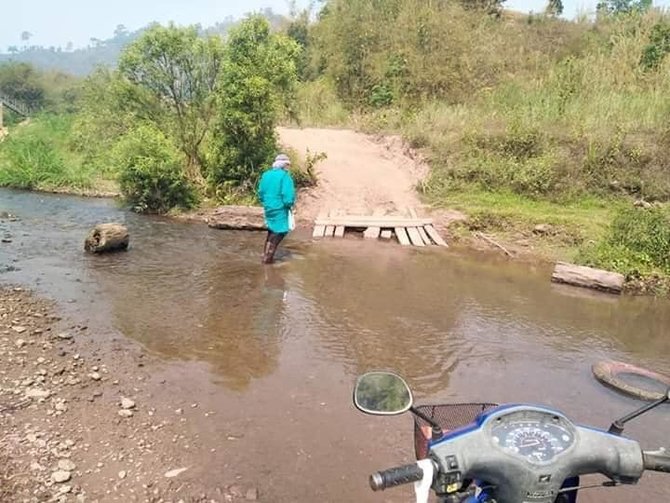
(536, 436)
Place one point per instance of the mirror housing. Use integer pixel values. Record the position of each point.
(382, 394)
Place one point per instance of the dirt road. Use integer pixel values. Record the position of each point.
(360, 173)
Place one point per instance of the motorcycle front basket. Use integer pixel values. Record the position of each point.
(448, 416)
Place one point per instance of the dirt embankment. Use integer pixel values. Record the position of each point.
(81, 423)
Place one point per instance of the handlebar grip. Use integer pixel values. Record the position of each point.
(395, 477)
(657, 461)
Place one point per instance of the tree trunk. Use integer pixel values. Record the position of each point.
(588, 277)
(106, 238)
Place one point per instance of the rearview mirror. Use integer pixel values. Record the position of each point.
(382, 394)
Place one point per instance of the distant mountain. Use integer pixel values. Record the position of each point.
(102, 52)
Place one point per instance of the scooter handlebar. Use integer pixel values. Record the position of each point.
(395, 477)
(657, 461)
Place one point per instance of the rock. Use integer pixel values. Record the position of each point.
(20, 343)
(61, 476)
(64, 335)
(66, 465)
(60, 406)
(127, 403)
(125, 413)
(173, 473)
(248, 218)
(641, 203)
(38, 393)
(65, 489)
(122, 474)
(542, 229)
(252, 494)
(36, 467)
(19, 329)
(179, 411)
(95, 376)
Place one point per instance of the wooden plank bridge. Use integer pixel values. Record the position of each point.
(408, 229)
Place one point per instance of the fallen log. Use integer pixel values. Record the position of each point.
(244, 218)
(107, 238)
(588, 277)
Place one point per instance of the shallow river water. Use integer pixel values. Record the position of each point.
(276, 350)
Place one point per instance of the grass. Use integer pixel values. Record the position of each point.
(513, 218)
(36, 155)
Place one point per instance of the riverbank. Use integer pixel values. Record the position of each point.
(84, 420)
(365, 172)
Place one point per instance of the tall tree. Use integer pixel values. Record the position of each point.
(554, 8)
(623, 6)
(257, 81)
(21, 82)
(171, 77)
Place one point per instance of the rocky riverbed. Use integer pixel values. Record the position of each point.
(79, 422)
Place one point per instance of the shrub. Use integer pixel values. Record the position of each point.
(637, 243)
(151, 175)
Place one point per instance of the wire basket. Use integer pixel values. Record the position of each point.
(448, 416)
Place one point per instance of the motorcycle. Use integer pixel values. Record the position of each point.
(515, 453)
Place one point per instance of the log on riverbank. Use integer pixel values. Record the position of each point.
(107, 238)
(244, 218)
(588, 277)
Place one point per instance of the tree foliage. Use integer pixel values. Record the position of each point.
(554, 7)
(256, 84)
(658, 47)
(20, 81)
(171, 76)
(623, 6)
(151, 177)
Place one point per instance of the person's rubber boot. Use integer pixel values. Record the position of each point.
(270, 253)
(265, 251)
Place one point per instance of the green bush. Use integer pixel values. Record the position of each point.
(637, 243)
(659, 45)
(151, 174)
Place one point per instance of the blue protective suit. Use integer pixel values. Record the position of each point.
(276, 191)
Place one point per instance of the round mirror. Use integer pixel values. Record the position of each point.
(382, 393)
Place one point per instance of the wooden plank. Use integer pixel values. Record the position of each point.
(401, 234)
(377, 218)
(434, 235)
(424, 236)
(329, 232)
(373, 222)
(374, 231)
(414, 236)
(320, 229)
(386, 234)
(339, 229)
(587, 277)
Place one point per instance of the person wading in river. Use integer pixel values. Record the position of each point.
(276, 191)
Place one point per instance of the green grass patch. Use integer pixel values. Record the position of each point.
(35, 155)
(568, 225)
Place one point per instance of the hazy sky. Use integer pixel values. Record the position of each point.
(57, 22)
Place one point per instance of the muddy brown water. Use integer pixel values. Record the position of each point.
(274, 352)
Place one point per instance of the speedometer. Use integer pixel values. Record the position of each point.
(533, 439)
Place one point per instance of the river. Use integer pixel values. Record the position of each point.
(275, 350)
